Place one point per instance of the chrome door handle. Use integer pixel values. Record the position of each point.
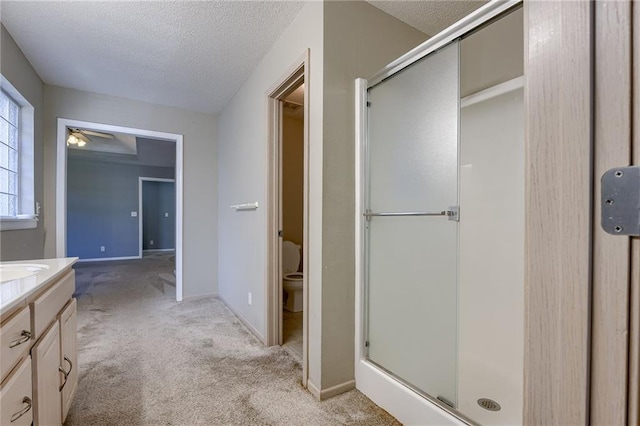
(25, 336)
(23, 411)
(453, 214)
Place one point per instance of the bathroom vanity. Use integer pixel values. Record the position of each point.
(38, 344)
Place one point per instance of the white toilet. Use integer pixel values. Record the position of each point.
(291, 278)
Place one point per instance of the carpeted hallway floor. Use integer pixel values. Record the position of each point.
(147, 360)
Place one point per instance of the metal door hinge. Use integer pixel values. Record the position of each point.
(621, 201)
(279, 233)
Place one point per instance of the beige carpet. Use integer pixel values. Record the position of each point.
(147, 360)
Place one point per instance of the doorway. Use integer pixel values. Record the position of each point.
(156, 204)
(63, 134)
(288, 213)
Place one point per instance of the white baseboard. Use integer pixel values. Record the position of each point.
(327, 393)
(246, 323)
(158, 250)
(107, 259)
(201, 296)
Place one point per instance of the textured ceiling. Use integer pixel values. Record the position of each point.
(428, 16)
(186, 54)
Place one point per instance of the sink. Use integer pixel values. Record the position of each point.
(16, 271)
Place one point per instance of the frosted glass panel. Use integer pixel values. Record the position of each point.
(413, 134)
(412, 272)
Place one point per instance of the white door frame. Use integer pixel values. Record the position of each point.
(61, 183)
(296, 74)
(142, 179)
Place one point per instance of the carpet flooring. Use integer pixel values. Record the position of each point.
(147, 360)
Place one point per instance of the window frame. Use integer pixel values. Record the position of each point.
(27, 215)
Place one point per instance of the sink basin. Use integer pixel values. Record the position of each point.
(16, 271)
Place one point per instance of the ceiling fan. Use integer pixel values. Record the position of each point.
(80, 137)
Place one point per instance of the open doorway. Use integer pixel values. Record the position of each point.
(288, 212)
(74, 134)
(157, 208)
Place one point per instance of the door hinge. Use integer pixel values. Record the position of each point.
(280, 233)
(366, 344)
(368, 103)
(620, 201)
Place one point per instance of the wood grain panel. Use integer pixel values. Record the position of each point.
(612, 136)
(558, 211)
(634, 288)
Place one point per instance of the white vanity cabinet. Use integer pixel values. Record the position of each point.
(38, 348)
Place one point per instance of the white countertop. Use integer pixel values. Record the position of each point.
(17, 290)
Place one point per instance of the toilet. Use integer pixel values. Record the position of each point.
(291, 278)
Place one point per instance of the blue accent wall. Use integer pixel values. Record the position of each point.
(100, 199)
(158, 215)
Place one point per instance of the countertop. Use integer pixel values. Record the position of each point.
(15, 292)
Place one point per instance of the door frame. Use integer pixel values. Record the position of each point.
(61, 183)
(296, 74)
(141, 180)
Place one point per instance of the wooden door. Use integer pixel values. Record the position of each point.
(69, 354)
(582, 362)
(47, 378)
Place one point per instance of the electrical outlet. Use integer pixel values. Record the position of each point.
(101, 248)
(166, 214)
(150, 242)
(249, 300)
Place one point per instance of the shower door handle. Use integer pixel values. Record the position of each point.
(453, 214)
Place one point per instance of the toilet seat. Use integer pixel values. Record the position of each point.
(293, 276)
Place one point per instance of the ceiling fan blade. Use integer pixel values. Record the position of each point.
(80, 136)
(98, 134)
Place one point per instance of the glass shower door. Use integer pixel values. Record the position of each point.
(411, 224)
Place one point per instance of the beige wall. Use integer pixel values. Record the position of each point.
(493, 55)
(200, 169)
(292, 178)
(359, 41)
(27, 243)
(242, 178)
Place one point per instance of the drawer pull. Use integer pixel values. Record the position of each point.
(16, 416)
(26, 335)
(65, 374)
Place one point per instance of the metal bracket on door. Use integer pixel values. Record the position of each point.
(621, 201)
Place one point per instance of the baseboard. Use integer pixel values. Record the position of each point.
(107, 259)
(246, 323)
(327, 393)
(200, 296)
(158, 250)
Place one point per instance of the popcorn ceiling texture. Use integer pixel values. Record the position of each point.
(431, 16)
(145, 359)
(187, 54)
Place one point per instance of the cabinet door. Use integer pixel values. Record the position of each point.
(47, 378)
(69, 353)
(16, 397)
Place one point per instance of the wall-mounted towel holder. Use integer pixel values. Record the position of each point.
(246, 206)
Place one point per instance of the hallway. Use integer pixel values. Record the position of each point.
(147, 360)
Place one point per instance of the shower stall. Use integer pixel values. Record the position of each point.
(441, 221)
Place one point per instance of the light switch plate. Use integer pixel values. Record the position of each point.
(134, 214)
(166, 215)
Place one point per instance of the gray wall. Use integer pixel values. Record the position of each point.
(158, 215)
(100, 199)
(27, 243)
(359, 40)
(200, 169)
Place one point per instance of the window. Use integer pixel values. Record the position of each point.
(9, 149)
(17, 203)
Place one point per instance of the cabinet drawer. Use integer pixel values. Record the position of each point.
(16, 397)
(15, 341)
(45, 308)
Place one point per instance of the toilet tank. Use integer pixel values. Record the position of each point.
(290, 257)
